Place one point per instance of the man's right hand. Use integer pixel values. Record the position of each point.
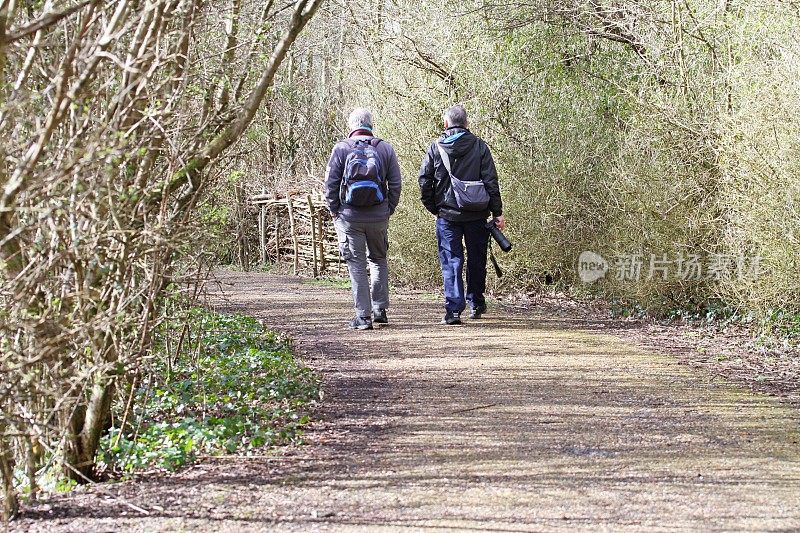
(500, 222)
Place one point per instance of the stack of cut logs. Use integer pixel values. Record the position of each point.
(297, 228)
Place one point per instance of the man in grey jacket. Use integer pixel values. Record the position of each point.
(362, 188)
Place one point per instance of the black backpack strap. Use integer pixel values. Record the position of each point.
(352, 143)
(374, 142)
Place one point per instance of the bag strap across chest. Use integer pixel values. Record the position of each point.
(445, 159)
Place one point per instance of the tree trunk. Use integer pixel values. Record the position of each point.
(87, 424)
(10, 504)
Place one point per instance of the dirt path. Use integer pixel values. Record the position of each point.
(512, 423)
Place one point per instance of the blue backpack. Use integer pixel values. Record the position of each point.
(363, 184)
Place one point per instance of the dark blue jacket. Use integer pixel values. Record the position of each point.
(333, 182)
(470, 160)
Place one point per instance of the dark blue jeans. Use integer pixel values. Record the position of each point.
(452, 237)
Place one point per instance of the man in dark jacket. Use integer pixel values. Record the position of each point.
(469, 160)
(362, 189)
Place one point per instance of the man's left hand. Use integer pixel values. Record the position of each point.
(500, 222)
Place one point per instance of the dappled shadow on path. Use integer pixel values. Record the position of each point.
(513, 423)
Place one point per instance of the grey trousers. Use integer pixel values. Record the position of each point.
(359, 243)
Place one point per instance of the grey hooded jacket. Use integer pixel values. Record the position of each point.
(333, 182)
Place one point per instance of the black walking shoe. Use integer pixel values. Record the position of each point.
(360, 323)
(477, 312)
(379, 317)
(451, 319)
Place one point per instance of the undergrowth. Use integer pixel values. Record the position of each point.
(773, 328)
(232, 388)
(330, 282)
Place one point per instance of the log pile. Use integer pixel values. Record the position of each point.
(298, 229)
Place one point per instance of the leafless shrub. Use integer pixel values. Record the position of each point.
(665, 127)
(112, 115)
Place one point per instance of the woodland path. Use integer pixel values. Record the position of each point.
(528, 423)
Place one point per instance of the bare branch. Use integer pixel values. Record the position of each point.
(45, 21)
